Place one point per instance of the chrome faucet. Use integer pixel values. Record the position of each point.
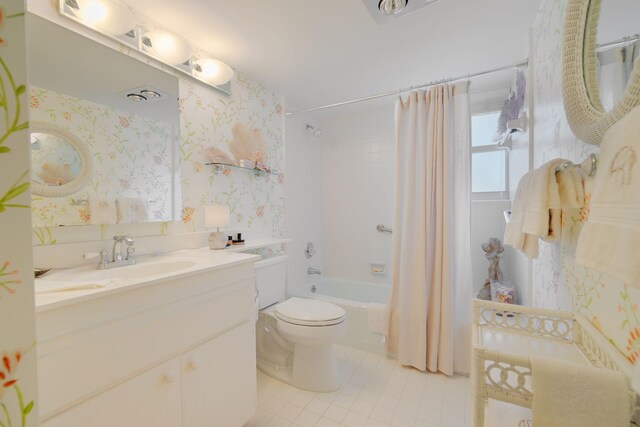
(312, 270)
(120, 255)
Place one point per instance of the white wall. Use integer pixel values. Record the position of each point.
(358, 152)
(304, 198)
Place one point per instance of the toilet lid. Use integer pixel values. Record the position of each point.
(309, 312)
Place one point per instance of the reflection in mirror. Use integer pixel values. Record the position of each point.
(61, 164)
(618, 48)
(124, 111)
(54, 161)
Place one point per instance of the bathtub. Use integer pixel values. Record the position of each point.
(354, 298)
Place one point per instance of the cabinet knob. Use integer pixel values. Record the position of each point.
(193, 364)
(170, 377)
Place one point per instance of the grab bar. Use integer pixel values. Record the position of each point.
(382, 229)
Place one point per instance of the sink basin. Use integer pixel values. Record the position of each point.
(131, 272)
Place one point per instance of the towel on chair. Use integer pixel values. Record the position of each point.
(610, 240)
(567, 394)
(102, 211)
(131, 209)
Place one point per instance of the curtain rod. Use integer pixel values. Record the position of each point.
(522, 63)
(627, 39)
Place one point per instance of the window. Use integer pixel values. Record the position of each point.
(489, 163)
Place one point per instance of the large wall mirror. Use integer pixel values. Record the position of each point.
(104, 135)
(617, 47)
(601, 73)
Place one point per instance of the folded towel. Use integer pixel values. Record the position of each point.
(102, 211)
(567, 394)
(131, 209)
(610, 240)
(377, 316)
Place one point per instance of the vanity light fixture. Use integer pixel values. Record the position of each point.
(108, 16)
(116, 20)
(391, 7)
(213, 71)
(167, 46)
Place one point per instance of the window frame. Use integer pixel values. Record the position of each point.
(489, 195)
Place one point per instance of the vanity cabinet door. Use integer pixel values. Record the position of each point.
(219, 380)
(152, 398)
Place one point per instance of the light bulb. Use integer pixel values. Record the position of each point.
(110, 17)
(213, 71)
(169, 47)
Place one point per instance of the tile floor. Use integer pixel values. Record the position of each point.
(377, 392)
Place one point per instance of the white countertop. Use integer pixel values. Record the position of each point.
(195, 261)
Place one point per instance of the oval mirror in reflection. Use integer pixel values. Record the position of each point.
(60, 162)
(618, 47)
(54, 161)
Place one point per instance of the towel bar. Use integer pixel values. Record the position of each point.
(588, 165)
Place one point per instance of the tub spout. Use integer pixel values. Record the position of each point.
(312, 270)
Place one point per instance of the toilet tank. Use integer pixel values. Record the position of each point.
(271, 279)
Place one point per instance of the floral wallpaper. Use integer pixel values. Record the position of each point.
(558, 282)
(17, 334)
(132, 156)
(207, 120)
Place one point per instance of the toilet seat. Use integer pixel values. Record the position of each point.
(309, 312)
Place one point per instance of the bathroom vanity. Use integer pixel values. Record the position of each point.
(152, 345)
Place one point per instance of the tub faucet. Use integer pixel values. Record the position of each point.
(312, 270)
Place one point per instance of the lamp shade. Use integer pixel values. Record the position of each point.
(216, 216)
(169, 47)
(213, 71)
(109, 16)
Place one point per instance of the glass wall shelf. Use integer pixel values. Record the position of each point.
(220, 167)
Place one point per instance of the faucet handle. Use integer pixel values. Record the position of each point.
(130, 251)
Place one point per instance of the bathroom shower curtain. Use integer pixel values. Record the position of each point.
(430, 301)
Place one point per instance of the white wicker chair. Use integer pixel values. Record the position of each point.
(506, 376)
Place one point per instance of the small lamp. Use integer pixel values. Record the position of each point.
(217, 216)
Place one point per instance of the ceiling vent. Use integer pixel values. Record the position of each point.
(144, 93)
(379, 9)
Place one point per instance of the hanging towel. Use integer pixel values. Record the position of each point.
(610, 240)
(131, 209)
(377, 316)
(571, 188)
(535, 211)
(513, 234)
(542, 196)
(102, 211)
(567, 394)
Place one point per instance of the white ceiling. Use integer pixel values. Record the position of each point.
(325, 51)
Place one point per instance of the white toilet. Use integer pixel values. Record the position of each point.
(295, 337)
